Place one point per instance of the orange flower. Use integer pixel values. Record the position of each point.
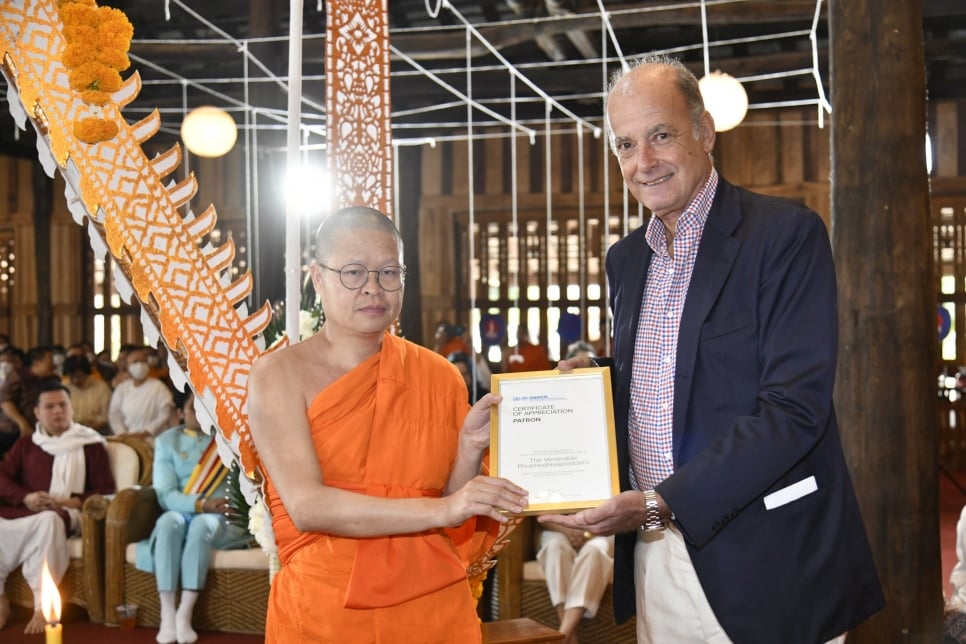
(80, 33)
(98, 39)
(93, 130)
(114, 21)
(111, 57)
(78, 15)
(92, 97)
(94, 75)
(77, 52)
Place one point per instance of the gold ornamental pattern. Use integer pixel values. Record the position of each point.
(134, 211)
(357, 90)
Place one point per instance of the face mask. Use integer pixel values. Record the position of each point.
(58, 359)
(5, 369)
(138, 370)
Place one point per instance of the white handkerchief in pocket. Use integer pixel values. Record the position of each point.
(790, 493)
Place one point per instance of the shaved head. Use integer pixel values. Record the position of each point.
(354, 219)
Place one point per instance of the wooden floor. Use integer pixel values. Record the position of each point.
(77, 630)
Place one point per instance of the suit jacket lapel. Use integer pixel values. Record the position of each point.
(716, 255)
(633, 268)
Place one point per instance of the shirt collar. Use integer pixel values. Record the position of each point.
(694, 215)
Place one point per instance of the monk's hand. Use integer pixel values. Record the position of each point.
(487, 496)
(475, 433)
(621, 513)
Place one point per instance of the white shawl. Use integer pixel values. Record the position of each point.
(67, 477)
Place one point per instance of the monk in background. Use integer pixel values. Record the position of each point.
(373, 461)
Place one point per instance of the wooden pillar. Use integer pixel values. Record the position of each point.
(43, 193)
(410, 195)
(888, 360)
(267, 243)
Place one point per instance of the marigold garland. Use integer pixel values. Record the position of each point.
(98, 39)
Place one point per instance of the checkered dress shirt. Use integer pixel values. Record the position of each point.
(655, 347)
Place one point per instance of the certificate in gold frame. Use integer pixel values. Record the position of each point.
(553, 434)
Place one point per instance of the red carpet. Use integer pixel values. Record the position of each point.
(78, 630)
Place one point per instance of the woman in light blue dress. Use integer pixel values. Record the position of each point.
(194, 522)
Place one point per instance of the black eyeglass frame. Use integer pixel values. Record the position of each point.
(378, 272)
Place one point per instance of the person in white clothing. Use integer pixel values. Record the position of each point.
(44, 480)
(141, 405)
(578, 567)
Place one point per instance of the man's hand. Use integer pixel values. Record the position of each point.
(621, 513)
(66, 502)
(575, 363)
(37, 501)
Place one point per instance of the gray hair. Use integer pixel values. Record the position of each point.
(687, 84)
(353, 218)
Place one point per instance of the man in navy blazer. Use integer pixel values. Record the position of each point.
(737, 520)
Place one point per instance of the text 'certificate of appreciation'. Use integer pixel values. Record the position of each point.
(553, 435)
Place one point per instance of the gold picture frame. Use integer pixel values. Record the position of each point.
(553, 434)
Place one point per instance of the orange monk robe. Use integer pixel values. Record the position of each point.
(454, 345)
(388, 428)
(528, 357)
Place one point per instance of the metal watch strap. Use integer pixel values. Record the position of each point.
(652, 513)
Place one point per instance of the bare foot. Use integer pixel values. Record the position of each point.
(36, 624)
(4, 610)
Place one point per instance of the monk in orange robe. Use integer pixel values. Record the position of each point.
(373, 460)
(527, 356)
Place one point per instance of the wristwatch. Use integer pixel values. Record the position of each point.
(652, 513)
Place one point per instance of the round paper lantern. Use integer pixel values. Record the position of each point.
(725, 98)
(209, 131)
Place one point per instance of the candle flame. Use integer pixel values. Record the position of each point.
(49, 596)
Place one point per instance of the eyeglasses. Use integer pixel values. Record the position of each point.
(355, 276)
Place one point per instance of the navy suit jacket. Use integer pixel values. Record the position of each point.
(753, 415)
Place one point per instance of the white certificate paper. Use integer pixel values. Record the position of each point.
(553, 435)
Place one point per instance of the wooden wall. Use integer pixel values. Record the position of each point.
(777, 152)
(18, 307)
(780, 152)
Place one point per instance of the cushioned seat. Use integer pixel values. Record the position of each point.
(520, 590)
(131, 462)
(235, 597)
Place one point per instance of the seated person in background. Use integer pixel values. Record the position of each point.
(18, 396)
(527, 356)
(140, 405)
(90, 396)
(474, 386)
(449, 339)
(44, 480)
(158, 363)
(373, 462)
(580, 349)
(578, 567)
(192, 487)
(11, 359)
(105, 367)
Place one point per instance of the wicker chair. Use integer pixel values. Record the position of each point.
(83, 584)
(235, 597)
(520, 590)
